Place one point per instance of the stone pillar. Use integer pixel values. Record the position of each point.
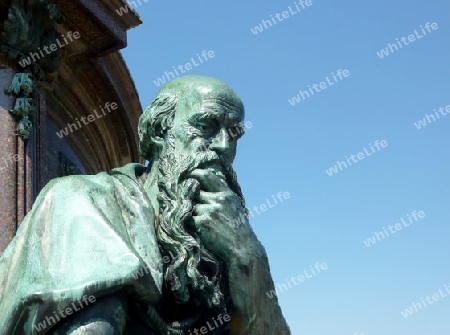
(26, 26)
(8, 164)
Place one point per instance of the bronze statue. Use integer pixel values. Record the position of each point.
(147, 250)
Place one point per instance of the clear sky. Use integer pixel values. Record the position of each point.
(327, 218)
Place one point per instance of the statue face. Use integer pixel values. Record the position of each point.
(210, 122)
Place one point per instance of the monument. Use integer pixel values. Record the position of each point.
(147, 249)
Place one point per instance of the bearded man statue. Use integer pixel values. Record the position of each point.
(147, 250)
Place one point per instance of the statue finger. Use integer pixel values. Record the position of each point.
(200, 222)
(209, 181)
(213, 197)
(205, 209)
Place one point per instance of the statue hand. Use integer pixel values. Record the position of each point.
(248, 271)
(215, 218)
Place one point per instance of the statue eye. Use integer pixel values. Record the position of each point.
(207, 127)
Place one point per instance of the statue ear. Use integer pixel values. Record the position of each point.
(158, 141)
(164, 125)
(155, 123)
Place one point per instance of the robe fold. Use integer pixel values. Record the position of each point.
(85, 236)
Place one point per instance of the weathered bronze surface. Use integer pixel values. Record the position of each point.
(147, 250)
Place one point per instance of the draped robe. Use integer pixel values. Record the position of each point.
(85, 236)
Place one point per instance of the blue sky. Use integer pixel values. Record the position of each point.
(289, 148)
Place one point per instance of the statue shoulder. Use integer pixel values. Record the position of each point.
(70, 186)
(102, 182)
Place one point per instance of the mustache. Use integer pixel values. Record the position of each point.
(211, 158)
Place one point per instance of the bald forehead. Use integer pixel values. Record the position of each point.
(228, 108)
(220, 94)
(214, 97)
(193, 87)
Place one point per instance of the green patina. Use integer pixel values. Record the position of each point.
(97, 247)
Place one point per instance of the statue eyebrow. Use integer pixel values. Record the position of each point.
(204, 115)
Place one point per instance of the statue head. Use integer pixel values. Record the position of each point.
(199, 112)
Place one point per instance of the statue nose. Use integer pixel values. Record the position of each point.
(220, 143)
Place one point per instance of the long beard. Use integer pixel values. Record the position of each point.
(195, 275)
